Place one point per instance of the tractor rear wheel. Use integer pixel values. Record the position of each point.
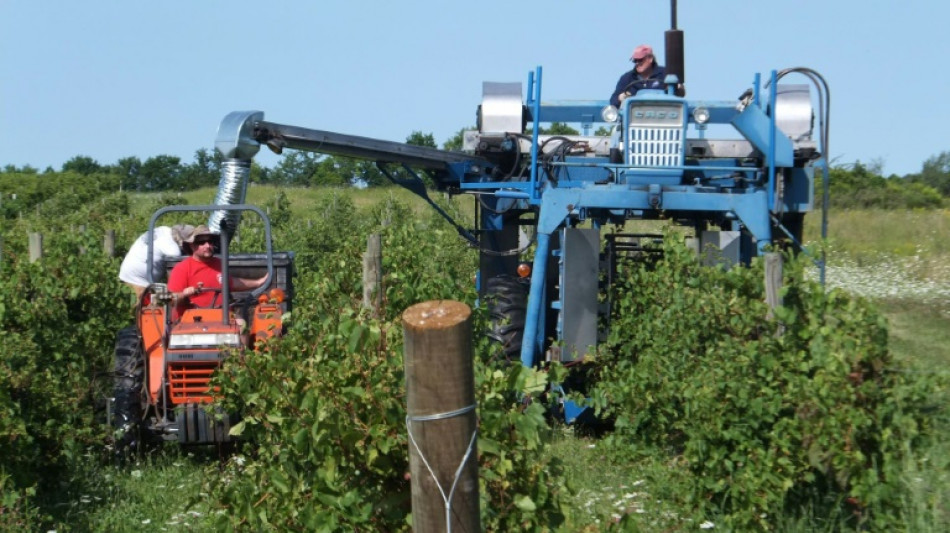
(128, 381)
(506, 299)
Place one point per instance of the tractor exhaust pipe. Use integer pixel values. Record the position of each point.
(236, 143)
(674, 47)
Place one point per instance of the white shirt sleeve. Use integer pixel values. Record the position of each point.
(134, 267)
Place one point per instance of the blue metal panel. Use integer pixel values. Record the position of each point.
(586, 111)
(572, 411)
(800, 192)
(749, 207)
(755, 126)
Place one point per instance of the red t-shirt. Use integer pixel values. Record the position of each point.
(191, 272)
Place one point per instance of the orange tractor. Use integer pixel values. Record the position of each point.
(164, 364)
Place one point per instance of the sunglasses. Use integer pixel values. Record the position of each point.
(641, 60)
(206, 240)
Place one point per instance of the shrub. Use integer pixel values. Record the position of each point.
(767, 414)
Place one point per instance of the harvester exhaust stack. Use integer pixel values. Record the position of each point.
(674, 48)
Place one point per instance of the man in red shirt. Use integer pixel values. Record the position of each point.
(190, 280)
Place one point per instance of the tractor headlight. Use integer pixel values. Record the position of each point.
(192, 340)
(609, 114)
(701, 115)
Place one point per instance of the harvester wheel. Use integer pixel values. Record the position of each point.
(506, 300)
(128, 381)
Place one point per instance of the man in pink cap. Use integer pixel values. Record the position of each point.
(646, 74)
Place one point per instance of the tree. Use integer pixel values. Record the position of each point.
(296, 168)
(559, 128)
(935, 173)
(205, 171)
(859, 187)
(162, 173)
(457, 141)
(82, 164)
(129, 170)
(26, 169)
(417, 138)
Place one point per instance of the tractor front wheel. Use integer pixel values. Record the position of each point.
(128, 380)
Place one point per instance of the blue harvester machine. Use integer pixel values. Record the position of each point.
(556, 192)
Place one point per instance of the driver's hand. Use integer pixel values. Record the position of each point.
(623, 96)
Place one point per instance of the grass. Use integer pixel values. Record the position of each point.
(919, 333)
(867, 234)
(157, 492)
(644, 492)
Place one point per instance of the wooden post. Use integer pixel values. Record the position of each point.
(36, 246)
(373, 274)
(108, 243)
(82, 249)
(440, 390)
(773, 284)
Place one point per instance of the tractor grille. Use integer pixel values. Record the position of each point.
(656, 147)
(656, 135)
(188, 382)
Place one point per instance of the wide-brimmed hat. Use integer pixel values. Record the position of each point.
(181, 232)
(200, 230)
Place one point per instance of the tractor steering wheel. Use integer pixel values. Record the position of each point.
(641, 82)
(214, 299)
(236, 303)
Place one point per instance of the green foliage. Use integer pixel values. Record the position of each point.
(456, 142)
(767, 414)
(765, 423)
(59, 317)
(521, 487)
(423, 259)
(935, 173)
(858, 187)
(417, 138)
(82, 165)
(17, 510)
(51, 195)
(324, 411)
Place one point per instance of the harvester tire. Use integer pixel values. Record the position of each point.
(506, 299)
(129, 379)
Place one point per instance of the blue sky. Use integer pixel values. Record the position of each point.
(111, 79)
